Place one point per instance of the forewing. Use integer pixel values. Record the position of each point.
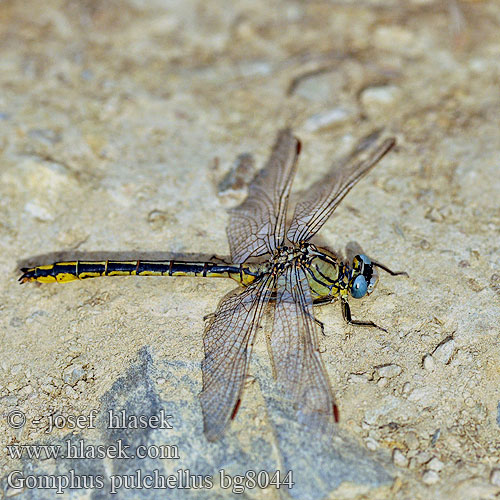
(297, 361)
(312, 212)
(228, 341)
(257, 227)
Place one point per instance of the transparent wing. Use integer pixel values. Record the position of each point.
(257, 227)
(228, 341)
(312, 212)
(296, 358)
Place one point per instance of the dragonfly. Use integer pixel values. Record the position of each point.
(282, 274)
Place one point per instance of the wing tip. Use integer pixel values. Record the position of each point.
(336, 413)
(389, 143)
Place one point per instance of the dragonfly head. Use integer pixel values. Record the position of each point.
(363, 277)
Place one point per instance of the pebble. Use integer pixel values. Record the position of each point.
(26, 390)
(444, 351)
(423, 457)
(399, 458)
(371, 444)
(435, 464)
(327, 119)
(423, 395)
(358, 378)
(38, 212)
(73, 373)
(317, 88)
(389, 371)
(15, 369)
(495, 477)
(81, 386)
(375, 99)
(430, 477)
(428, 363)
(411, 440)
(70, 392)
(48, 389)
(395, 38)
(382, 382)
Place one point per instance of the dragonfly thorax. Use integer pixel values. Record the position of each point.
(284, 256)
(328, 277)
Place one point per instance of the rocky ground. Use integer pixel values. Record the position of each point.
(120, 125)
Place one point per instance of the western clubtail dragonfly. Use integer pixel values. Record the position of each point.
(295, 276)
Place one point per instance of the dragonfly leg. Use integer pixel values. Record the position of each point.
(387, 270)
(346, 313)
(323, 301)
(320, 302)
(321, 325)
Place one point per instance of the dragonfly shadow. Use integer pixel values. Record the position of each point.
(320, 461)
(362, 146)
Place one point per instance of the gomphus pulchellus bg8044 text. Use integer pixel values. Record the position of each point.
(296, 276)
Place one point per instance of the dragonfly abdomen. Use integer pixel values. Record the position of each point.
(77, 270)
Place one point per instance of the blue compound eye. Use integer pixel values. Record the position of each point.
(359, 287)
(365, 259)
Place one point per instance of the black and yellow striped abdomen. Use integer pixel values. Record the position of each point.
(78, 270)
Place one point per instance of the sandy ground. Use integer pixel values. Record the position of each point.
(119, 122)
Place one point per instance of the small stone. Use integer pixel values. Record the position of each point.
(80, 386)
(377, 99)
(327, 119)
(435, 464)
(430, 477)
(12, 386)
(495, 477)
(435, 437)
(423, 457)
(423, 395)
(27, 389)
(406, 388)
(38, 212)
(444, 351)
(358, 378)
(73, 373)
(399, 458)
(389, 371)
(382, 382)
(470, 402)
(48, 389)
(411, 440)
(70, 392)
(371, 444)
(317, 88)
(15, 369)
(398, 39)
(434, 215)
(428, 363)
